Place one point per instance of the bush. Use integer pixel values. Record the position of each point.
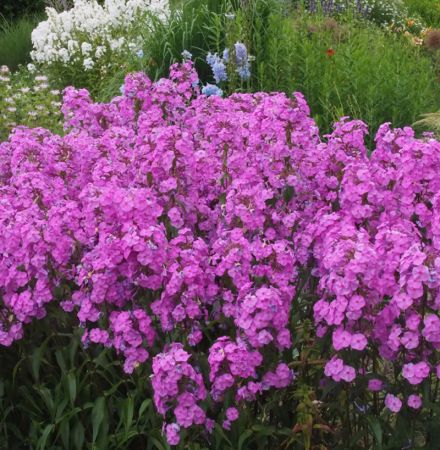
(85, 44)
(197, 236)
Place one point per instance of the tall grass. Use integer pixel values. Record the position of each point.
(15, 41)
(349, 69)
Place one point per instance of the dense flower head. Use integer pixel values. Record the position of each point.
(178, 387)
(393, 403)
(182, 226)
(90, 32)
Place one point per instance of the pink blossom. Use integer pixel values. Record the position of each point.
(393, 403)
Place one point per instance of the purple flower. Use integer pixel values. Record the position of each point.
(393, 403)
(375, 385)
(232, 414)
(414, 401)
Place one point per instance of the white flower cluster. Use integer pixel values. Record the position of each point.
(89, 32)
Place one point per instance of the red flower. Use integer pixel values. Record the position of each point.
(330, 53)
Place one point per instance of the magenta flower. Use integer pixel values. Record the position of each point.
(414, 401)
(232, 414)
(375, 385)
(393, 403)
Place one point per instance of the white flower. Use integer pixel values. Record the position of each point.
(72, 46)
(100, 51)
(64, 55)
(90, 28)
(116, 44)
(86, 48)
(88, 64)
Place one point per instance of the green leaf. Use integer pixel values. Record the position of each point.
(48, 400)
(243, 437)
(145, 404)
(65, 432)
(97, 416)
(78, 436)
(37, 358)
(219, 431)
(60, 360)
(375, 428)
(71, 381)
(43, 439)
(158, 445)
(128, 413)
(264, 430)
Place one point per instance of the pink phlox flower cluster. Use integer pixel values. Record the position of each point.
(170, 213)
(178, 389)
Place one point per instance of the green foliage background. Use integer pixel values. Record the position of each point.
(13, 9)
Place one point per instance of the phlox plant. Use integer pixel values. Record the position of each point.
(86, 43)
(189, 233)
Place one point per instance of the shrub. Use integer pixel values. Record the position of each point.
(83, 45)
(192, 234)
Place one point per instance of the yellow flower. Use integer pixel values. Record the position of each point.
(410, 22)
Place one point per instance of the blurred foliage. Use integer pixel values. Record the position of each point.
(14, 9)
(15, 41)
(427, 10)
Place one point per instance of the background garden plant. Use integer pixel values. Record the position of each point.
(27, 99)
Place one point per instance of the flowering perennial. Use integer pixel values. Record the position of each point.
(168, 215)
(90, 34)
